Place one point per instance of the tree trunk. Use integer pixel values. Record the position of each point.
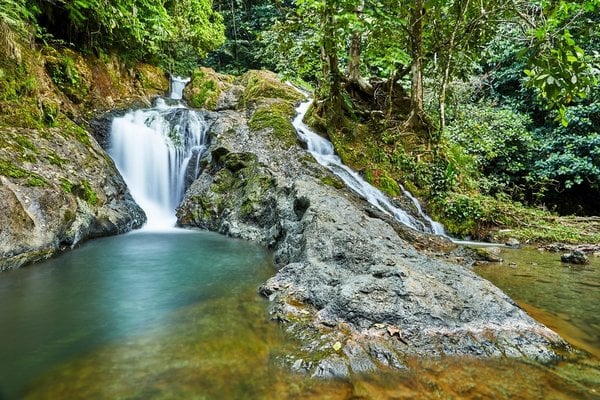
(416, 119)
(446, 74)
(355, 50)
(331, 71)
(354, 57)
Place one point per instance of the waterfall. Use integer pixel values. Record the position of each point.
(322, 150)
(177, 84)
(157, 151)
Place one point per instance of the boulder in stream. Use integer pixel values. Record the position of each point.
(351, 286)
(575, 257)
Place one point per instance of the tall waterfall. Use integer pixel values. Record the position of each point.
(157, 151)
(322, 150)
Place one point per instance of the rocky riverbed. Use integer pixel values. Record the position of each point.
(350, 285)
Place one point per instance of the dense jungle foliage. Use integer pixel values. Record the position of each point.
(174, 34)
(482, 109)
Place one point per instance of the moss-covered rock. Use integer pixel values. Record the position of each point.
(238, 182)
(70, 73)
(275, 115)
(57, 185)
(207, 89)
(57, 190)
(259, 85)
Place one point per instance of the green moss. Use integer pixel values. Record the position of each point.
(260, 85)
(70, 129)
(66, 185)
(241, 175)
(151, 78)
(64, 72)
(55, 159)
(26, 143)
(277, 116)
(389, 185)
(12, 171)
(88, 193)
(50, 110)
(83, 190)
(205, 91)
(333, 181)
(206, 87)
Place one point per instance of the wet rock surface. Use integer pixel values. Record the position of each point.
(351, 286)
(67, 190)
(575, 257)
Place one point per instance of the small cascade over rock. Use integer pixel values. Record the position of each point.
(322, 150)
(157, 151)
(177, 84)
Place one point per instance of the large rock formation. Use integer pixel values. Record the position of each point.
(357, 294)
(57, 185)
(56, 191)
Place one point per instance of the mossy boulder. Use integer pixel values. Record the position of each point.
(211, 90)
(237, 182)
(261, 84)
(56, 192)
(276, 115)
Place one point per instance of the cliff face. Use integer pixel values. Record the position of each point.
(350, 286)
(57, 185)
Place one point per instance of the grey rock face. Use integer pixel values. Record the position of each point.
(575, 257)
(66, 191)
(349, 286)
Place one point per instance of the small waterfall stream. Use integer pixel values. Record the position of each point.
(157, 152)
(322, 150)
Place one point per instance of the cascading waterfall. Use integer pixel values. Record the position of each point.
(322, 150)
(157, 152)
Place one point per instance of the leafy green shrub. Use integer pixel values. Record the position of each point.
(571, 155)
(500, 144)
(63, 72)
(459, 213)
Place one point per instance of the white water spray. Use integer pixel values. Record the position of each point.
(157, 152)
(322, 150)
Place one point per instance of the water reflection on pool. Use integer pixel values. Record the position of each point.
(176, 316)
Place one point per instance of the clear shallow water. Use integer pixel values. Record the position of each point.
(564, 297)
(176, 316)
(115, 290)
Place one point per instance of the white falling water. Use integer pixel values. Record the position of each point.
(157, 151)
(177, 85)
(322, 150)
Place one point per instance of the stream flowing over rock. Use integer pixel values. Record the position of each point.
(350, 285)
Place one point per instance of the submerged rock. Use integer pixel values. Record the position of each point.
(575, 257)
(349, 285)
